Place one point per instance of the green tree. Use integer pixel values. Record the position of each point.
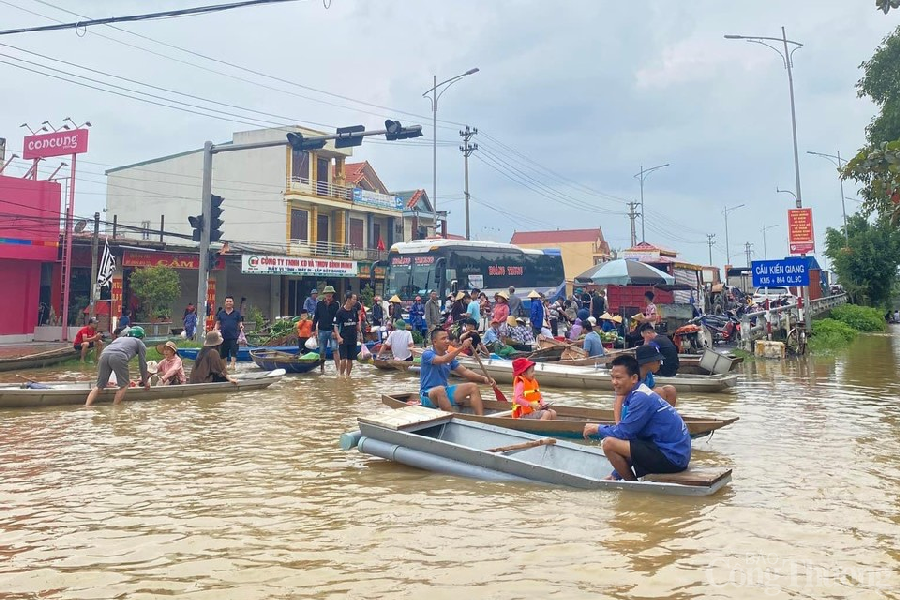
(866, 264)
(886, 5)
(156, 288)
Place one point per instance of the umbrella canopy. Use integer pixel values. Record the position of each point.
(624, 272)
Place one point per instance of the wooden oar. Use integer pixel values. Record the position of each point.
(525, 445)
(497, 393)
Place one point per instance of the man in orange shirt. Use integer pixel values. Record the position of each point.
(88, 337)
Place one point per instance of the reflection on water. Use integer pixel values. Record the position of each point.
(248, 496)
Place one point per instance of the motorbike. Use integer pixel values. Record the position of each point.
(707, 330)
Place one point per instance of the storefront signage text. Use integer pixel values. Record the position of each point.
(167, 259)
(376, 200)
(72, 141)
(292, 265)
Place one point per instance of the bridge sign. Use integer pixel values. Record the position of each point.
(780, 273)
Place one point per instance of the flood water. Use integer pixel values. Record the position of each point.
(248, 496)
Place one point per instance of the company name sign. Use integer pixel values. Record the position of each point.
(60, 143)
(292, 265)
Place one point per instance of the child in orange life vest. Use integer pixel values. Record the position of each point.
(527, 402)
(304, 329)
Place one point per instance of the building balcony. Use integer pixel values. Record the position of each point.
(301, 185)
(333, 250)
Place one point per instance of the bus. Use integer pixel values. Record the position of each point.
(447, 266)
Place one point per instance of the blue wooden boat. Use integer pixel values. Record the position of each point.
(269, 360)
(439, 441)
(243, 354)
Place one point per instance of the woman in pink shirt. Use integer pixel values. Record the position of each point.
(501, 307)
(170, 370)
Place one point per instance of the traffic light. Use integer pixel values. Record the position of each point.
(346, 139)
(197, 223)
(212, 257)
(215, 220)
(298, 142)
(396, 131)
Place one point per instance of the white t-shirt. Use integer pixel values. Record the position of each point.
(399, 341)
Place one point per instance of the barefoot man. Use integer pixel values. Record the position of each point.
(437, 364)
(652, 437)
(115, 359)
(88, 337)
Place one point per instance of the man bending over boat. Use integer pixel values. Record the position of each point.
(115, 360)
(652, 437)
(437, 364)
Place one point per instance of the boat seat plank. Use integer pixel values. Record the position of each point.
(407, 418)
(701, 476)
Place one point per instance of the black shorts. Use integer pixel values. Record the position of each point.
(78, 346)
(646, 457)
(228, 348)
(348, 350)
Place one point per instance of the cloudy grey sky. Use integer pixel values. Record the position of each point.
(572, 98)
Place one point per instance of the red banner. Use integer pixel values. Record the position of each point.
(167, 259)
(116, 296)
(800, 231)
(211, 301)
(74, 141)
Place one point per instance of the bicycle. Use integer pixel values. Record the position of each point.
(795, 343)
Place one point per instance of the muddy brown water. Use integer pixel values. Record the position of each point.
(248, 496)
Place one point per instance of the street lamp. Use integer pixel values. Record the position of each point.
(727, 246)
(643, 174)
(839, 162)
(765, 248)
(786, 56)
(435, 96)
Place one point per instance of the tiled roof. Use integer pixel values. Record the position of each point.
(647, 246)
(412, 197)
(354, 172)
(556, 236)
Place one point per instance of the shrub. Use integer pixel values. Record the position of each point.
(831, 334)
(860, 318)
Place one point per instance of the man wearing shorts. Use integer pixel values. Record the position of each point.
(346, 331)
(323, 325)
(437, 364)
(230, 324)
(115, 360)
(88, 337)
(651, 438)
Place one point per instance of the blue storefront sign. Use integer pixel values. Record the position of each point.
(782, 273)
(367, 198)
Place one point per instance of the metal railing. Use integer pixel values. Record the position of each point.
(321, 188)
(334, 250)
(782, 318)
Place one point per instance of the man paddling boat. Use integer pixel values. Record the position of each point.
(652, 437)
(437, 364)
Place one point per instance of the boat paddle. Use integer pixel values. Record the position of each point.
(499, 395)
(525, 445)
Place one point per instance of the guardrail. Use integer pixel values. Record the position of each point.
(782, 319)
(333, 250)
(827, 303)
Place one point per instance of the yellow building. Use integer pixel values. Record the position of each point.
(581, 249)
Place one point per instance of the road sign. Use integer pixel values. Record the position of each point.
(800, 231)
(780, 273)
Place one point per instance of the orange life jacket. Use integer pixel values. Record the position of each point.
(532, 394)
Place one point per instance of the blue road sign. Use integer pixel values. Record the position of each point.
(786, 272)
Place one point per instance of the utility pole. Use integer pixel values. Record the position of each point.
(95, 242)
(747, 247)
(725, 212)
(765, 246)
(633, 214)
(710, 241)
(467, 149)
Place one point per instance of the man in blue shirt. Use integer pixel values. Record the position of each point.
(310, 303)
(537, 312)
(230, 323)
(474, 306)
(651, 438)
(593, 345)
(437, 364)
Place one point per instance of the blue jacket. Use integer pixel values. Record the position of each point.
(649, 417)
(537, 313)
(417, 315)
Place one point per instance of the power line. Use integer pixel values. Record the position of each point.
(168, 14)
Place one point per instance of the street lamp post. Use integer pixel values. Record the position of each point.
(788, 63)
(642, 175)
(839, 162)
(435, 96)
(727, 246)
(765, 247)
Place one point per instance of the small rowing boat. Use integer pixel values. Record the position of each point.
(569, 422)
(269, 360)
(386, 364)
(445, 443)
(39, 360)
(594, 378)
(63, 393)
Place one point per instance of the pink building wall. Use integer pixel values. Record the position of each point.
(22, 288)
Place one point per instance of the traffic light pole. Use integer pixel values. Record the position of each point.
(346, 136)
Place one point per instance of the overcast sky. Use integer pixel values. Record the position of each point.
(572, 98)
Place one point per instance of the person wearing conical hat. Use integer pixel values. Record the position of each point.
(501, 307)
(537, 312)
(396, 311)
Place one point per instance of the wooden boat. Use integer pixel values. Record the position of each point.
(569, 422)
(64, 393)
(386, 364)
(38, 360)
(243, 354)
(689, 364)
(443, 442)
(593, 378)
(270, 360)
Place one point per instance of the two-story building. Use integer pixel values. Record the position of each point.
(580, 249)
(325, 222)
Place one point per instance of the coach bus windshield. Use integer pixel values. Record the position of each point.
(411, 275)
